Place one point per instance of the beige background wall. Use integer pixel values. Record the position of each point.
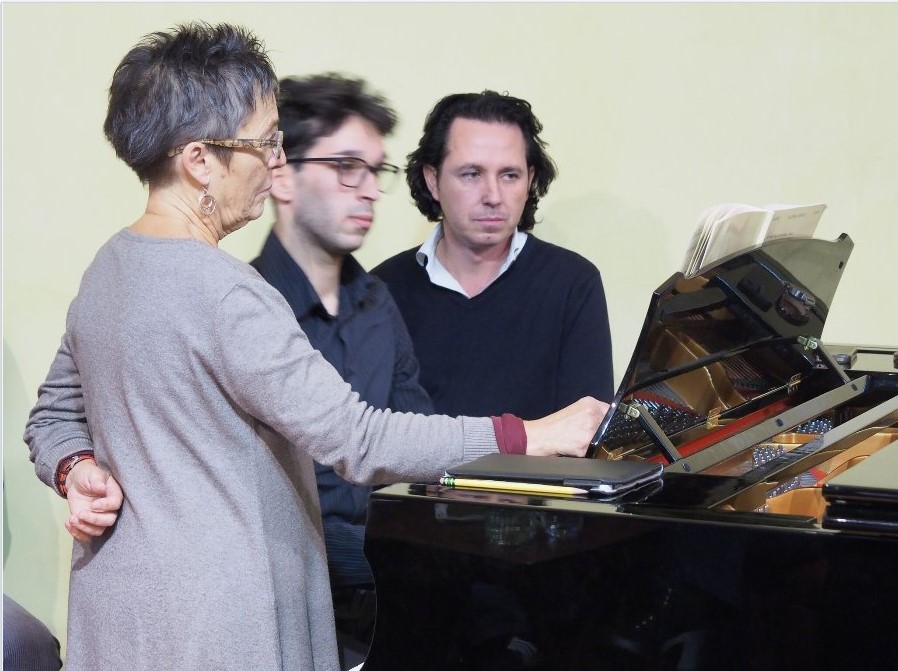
(652, 112)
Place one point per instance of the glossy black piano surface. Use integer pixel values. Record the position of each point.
(732, 561)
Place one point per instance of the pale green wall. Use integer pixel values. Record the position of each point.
(652, 112)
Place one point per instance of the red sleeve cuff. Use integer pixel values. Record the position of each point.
(510, 434)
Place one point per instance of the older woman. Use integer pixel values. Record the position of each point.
(185, 375)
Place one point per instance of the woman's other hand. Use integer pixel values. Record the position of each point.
(94, 499)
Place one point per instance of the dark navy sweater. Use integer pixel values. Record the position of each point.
(534, 341)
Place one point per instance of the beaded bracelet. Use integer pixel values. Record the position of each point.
(65, 466)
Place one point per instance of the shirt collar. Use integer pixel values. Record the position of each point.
(279, 269)
(426, 256)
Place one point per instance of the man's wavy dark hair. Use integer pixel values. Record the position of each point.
(491, 107)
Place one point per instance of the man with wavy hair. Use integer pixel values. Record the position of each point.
(501, 320)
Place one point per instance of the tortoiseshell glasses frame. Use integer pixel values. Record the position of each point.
(276, 144)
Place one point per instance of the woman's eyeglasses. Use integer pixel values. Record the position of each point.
(276, 144)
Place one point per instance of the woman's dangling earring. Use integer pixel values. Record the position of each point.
(207, 202)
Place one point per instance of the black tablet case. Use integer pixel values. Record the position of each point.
(600, 476)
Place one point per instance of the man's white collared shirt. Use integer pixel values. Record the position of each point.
(426, 256)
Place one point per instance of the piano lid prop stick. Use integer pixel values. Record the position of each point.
(507, 486)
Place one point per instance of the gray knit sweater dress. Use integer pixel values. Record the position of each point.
(189, 377)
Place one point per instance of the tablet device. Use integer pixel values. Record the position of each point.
(599, 476)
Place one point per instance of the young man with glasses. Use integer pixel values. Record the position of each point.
(324, 205)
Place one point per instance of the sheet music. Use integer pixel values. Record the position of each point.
(731, 228)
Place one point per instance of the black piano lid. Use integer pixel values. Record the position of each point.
(740, 342)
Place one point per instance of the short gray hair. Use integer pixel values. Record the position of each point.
(195, 81)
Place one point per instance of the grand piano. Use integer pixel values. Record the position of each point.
(770, 542)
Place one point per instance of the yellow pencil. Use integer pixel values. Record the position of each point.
(506, 486)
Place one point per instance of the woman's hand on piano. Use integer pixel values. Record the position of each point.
(566, 432)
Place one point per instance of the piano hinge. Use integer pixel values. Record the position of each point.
(808, 342)
(631, 411)
(793, 383)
